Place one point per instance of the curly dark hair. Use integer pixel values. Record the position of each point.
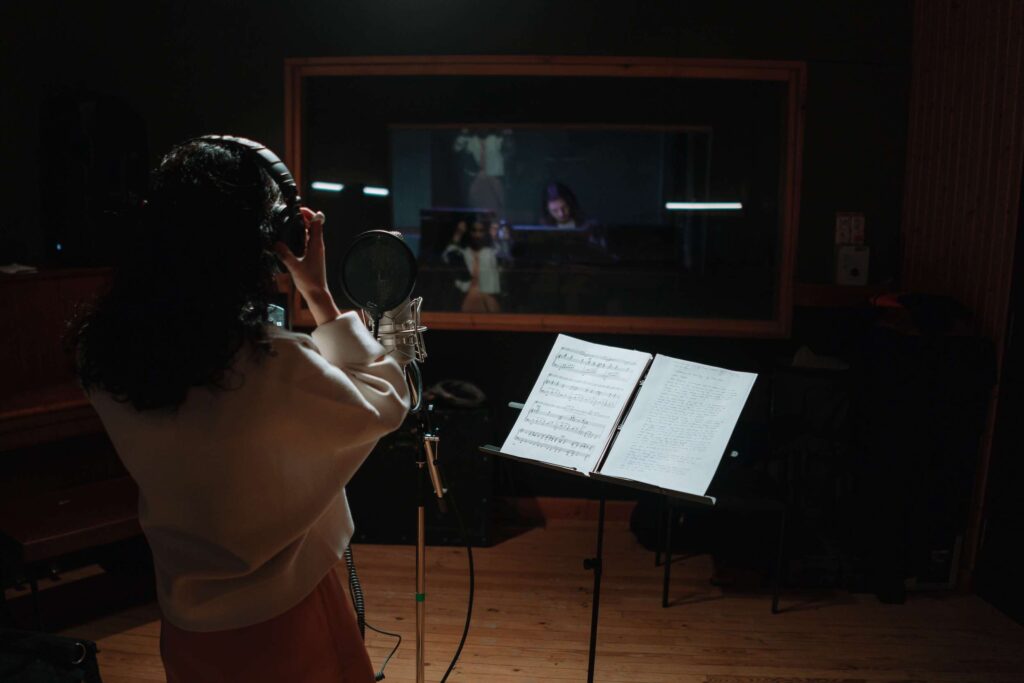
(193, 287)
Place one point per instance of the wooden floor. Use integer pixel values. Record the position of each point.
(532, 617)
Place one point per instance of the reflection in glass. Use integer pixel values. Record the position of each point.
(556, 220)
(636, 197)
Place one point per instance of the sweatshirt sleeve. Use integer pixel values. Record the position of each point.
(351, 369)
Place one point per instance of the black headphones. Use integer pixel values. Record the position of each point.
(286, 221)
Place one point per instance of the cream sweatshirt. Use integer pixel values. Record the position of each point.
(241, 491)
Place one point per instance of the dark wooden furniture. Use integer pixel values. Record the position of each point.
(39, 398)
(64, 498)
(45, 533)
(45, 413)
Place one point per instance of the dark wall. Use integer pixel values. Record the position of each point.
(191, 67)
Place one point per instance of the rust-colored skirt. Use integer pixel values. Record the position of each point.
(317, 640)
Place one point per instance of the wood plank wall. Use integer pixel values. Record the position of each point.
(965, 150)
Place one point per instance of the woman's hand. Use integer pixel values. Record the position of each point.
(310, 272)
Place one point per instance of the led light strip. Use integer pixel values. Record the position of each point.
(703, 206)
(327, 187)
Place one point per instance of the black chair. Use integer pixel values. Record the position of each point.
(774, 468)
(735, 495)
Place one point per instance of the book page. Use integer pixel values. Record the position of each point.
(576, 403)
(679, 425)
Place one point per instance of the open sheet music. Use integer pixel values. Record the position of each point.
(576, 404)
(673, 437)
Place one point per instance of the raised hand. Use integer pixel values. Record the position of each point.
(310, 272)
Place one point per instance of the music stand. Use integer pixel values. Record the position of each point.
(595, 563)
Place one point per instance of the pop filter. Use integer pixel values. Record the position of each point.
(378, 272)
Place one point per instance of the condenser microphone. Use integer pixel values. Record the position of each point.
(377, 274)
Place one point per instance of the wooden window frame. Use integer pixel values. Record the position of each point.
(793, 74)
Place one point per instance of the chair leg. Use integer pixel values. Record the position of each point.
(6, 615)
(668, 553)
(779, 561)
(34, 585)
(659, 530)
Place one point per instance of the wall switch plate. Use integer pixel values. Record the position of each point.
(852, 264)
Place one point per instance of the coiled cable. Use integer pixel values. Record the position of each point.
(355, 589)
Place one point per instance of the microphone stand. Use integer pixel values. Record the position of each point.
(385, 251)
(426, 466)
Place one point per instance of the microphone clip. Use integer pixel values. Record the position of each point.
(400, 330)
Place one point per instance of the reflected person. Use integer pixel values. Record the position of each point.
(473, 254)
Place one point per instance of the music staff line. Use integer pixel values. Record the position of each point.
(576, 411)
(591, 396)
(579, 431)
(585, 354)
(562, 378)
(550, 442)
(578, 397)
(594, 372)
(554, 386)
(607, 368)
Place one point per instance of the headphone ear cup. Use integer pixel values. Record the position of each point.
(278, 218)
(290, 228)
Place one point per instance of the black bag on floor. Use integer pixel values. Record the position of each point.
(27, 657)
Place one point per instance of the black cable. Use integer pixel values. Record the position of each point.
(472, 582)
(379, 676)
(415, 380)
(358, 602)
(356, 591)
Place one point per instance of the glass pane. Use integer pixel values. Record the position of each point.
(542, 195)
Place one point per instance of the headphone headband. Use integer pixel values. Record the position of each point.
(288, 225)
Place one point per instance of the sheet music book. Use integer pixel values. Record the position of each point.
(659, 421)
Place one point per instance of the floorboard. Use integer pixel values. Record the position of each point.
(532, 617)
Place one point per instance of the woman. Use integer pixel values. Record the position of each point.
(475, 262)
(559, 207)
(240, 435)
(583, 249)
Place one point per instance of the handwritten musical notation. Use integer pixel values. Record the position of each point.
(679, 426)
(576, 403)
